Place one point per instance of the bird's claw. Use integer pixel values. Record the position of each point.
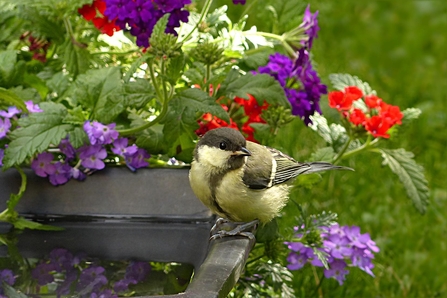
(224, 228)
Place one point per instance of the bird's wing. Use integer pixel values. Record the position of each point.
(277, 167)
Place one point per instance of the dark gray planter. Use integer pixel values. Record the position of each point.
(116, 214)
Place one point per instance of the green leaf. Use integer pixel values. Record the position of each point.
(261, 86)
(323, 154)
(93, 89)
(138, 93)
(410, 114)
(77, 137)
(11, 70)
(152, 140)
(160, 27)
(11, 98)
(58, 83)
(77, 59)
(36, 133)
(334, 134)
(410, 174)
(23, 223)
(11, 292)
(340, 81)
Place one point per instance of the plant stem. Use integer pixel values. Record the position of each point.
(205, 9)
(342, 151)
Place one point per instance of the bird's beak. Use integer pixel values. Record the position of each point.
(243, 152)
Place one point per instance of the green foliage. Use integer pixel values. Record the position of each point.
(261, 86)
(411, 175)
(341, 81)
(36, 133)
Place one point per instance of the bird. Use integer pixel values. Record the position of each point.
(242, 181)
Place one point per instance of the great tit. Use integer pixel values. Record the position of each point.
(243, 181)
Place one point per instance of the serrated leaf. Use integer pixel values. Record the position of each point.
(92, 90)
(77, 137)
(261, 86)
(77, 60)
(334, 134)
(35, 133)
(323, 154)
(410, 114)
(11, 70)
(340, 81)
(58, 83)
(160, 26)
(138, 93)
(11, 292)
(410, 174)
(152, 140)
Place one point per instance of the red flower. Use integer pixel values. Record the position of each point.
(392, 113)
(372, 101)
(342, 100)
(251, 107)
(378, 126)
(357, 117)
(94, 13)
(209, 122)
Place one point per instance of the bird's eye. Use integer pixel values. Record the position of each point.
(223, 145)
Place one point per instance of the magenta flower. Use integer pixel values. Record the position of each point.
(92, 156)
(11, 112)
(33, 108)
(42, 165)
(5, 125)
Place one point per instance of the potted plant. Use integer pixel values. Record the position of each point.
(95, 91)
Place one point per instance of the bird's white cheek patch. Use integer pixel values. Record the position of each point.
(214, 157)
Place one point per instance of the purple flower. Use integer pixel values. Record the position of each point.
(296, 261)
(310, 24)
(138, 160)
(62, 259)
(5, 125)
(116, 9)
(92, 156)
(337, 270)
(2, 154)
(61, 175)
(279, 67)
(42, 165)
(78, 174)
(338, 246)
(99, 133)
(12, 111)
(32, 108)
(67, 149)
(123, 285)
(169, 5)
(92, 277)
(120, 147)
(7, 276)
(362, 259)
(239, 2)
(43, 273)
(64, 288)
(137, 271)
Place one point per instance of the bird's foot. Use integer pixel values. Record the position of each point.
(224, 228)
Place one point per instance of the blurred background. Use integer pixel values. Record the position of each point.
(400, 48)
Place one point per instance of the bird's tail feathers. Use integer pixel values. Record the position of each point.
(320, 166)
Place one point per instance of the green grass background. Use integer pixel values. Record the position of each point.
(400, 48)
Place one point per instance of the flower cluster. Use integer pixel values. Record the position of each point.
(367, 111)
(345, 246)
(90, 156)
(6, 277)
(252, 114)
(95, 12)
(300, 81)
(140, 16)
(77, 273)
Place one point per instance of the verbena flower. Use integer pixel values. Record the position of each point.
(120, 148)
(345, 247)
(61, 175)
(32, 107)
(141, 16)
(92, 156)
(5, 126)
(43, 164)
(92, 277)
(11, 112)
(310, 24)
(99, 133)
(375, 116)
(138, 159)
